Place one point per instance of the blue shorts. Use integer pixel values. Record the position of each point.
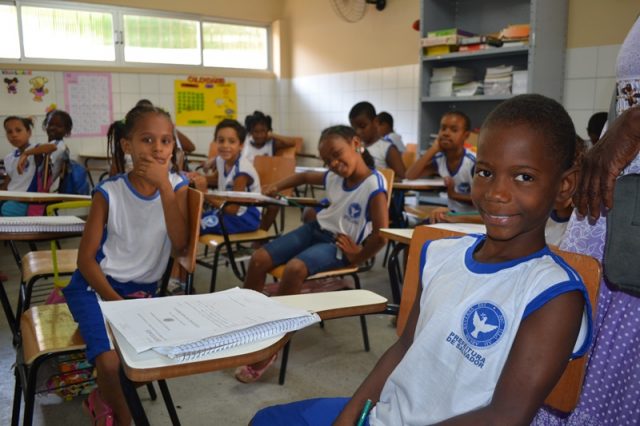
(310, 412)
(315, 247)
(13, 208)
(83, 304)
(234, 224)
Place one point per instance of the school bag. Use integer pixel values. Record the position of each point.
(621, 265)
(75, 179)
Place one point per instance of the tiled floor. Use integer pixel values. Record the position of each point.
(322, 362)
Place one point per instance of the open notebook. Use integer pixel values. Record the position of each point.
(29, 224)
(190, 327)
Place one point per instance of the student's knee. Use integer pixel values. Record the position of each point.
(309, 215)
(261, 261)
(296, 270)
(108, 365)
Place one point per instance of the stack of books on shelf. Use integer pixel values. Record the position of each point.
(471, 88)
(515, 35)
(480, 42)
(443, 80)
(519, 84)
(444, 41)
(497, 80)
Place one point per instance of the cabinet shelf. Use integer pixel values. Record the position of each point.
(461, 56)
(477, 98)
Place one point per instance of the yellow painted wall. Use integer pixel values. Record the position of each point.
(320, 42)
(600, 22)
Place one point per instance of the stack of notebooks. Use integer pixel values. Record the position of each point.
(443, 80)
(185, 328)
(444, 41)
(519, 85)
(33, 224)
(498, 80)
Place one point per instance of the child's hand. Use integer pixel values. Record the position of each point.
(22, 163)
(152, 171)
(451, 186)
(208, 165)
(439, 215)
(348, 247)
(270, 190)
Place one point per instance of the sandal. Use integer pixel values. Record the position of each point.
(249, 374)
(98, 410)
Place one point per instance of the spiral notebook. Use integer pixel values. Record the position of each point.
(32, 224)
(189, 327)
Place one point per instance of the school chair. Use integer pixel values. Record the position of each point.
(291, 151)
(348, 271)
(270, 170)
(564, 395)
(49, 331)
(408, 157)
(6, 305)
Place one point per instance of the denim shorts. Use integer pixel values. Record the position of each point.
(315, 247)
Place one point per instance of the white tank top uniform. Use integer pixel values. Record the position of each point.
(470, 313)
(462, 178)
(241, 167)
(135, 225)
(555, 228)
(378, 151)
(251, 151)
(396, 140)
(348, 212)
(58, 157)
(24, 181)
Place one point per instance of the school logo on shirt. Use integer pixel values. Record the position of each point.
(483, 324)
(464, 188)
(354, 211)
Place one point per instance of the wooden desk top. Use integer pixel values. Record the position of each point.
(95, 155)
(400, 235)
(259, 201)
(149, 366)
(40, 197)
(419, 184)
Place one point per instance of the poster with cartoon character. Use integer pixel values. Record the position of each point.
(26, 92)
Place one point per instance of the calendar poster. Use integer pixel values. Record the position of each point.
(87, 96)
(204, 102)
(26, 92)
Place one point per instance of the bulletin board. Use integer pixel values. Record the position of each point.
(88, 99)
(204, 102)
(26, 92)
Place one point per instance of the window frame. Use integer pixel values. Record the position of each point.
(118, 12)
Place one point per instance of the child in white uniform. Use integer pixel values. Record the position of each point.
(134, 222)
(21, 164)
(471, 351)
(260, 139)
(234, 173)
(358, 209)
(58, 125)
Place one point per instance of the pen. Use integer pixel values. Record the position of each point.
(463, 213)
(365, 411)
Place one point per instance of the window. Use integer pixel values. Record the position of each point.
(67, 34)
(10, 46)
(161, 40)
(34, 31)
(234, 46)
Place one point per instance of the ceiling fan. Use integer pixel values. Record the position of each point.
(354, 10)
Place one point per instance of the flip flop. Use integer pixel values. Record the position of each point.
(249, 374)
(101, 414)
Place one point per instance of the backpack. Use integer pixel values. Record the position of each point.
(75, 180)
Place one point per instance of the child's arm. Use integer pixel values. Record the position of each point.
(374, 242)
(394, 161)
(283, 141)
(240, 183)
(46, 148)
(89, 245)
(5, 183)
(311, 178)
(372, 385)
(174, 203)
(537, 359)
(424, 166)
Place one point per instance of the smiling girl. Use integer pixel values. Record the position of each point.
(134, 222)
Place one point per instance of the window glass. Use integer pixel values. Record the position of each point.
(10, 46)
(235, 46)
(67, 34)
(161, 40)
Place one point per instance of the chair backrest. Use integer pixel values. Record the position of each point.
(564, 395)
(194, 210)
(408, 158)
(292, 150)
(213, 149)
(389, 175)
(273, 169)
(411, 147)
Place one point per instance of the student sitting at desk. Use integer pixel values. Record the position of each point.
(21, 164)
(384, 122)
(260, 138)
(450, 159)
(233, 172)
(345, 233)
(134, 221)
(58, 125)
(471, 351)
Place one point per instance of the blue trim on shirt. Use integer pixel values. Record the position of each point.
(344, 182)
(491, 268)
(554, 291)
(244, 174)
(554, 216)
(324, 179)
(183, 182)
(423, 261)
(135, 192)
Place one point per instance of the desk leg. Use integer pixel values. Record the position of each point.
(86, 167)
(133, 400)
(8, 310)
(395, 271)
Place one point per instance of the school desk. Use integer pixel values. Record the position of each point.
(419, 184)
(40, 197)
(150, 366)
(99, 156)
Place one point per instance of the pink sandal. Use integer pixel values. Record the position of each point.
(98, 410)
(249, 374)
